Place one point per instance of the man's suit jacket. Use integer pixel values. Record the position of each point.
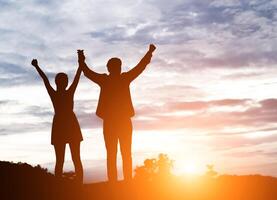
(115, 97)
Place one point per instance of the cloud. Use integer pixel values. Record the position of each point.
(215, 115)
(212, 117)
(23, 127)
(243, 75)
(4, 102)
(191, 36)
(220, 26)
(200, 105)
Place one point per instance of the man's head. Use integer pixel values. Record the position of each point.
(61, 80)
(114, 66)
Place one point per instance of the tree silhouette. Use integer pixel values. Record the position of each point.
(164, 165)
(154, 168)
(211, 173)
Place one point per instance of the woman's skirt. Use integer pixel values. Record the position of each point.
(65, 129)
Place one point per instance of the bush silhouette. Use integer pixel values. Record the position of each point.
(154, 168)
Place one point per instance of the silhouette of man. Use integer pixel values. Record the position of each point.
(116, 109)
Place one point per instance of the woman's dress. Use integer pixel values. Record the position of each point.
(65, 127)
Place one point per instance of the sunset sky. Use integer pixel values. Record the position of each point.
(209, 95)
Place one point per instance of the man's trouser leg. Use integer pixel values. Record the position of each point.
(111, 140)
(125, 140)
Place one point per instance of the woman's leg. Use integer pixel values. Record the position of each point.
(59, 151)
(75, 154)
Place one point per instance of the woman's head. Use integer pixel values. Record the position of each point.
(114, 66)
(61, 80)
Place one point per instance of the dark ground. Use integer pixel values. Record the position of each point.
(22, 181)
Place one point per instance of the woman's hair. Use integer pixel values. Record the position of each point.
(61, 80)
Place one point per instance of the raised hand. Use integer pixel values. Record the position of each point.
(152, 47)
(81, 56)
(44, 77)
(34, 62)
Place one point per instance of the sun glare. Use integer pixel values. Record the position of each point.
(191, 169)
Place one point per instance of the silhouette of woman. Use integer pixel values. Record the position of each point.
(65, 127)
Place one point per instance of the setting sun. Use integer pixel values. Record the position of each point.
(191, 169)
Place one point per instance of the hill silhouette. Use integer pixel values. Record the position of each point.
(22, 181)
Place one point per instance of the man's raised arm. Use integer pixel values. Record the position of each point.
(138, 69)
(90, 74)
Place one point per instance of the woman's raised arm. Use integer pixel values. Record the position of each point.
(49, 88)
